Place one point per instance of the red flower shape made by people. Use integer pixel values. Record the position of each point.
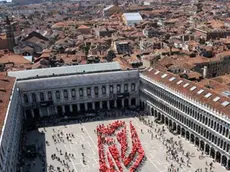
(113, 149)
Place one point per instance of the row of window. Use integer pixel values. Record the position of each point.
(189, 109)
(80, 91)
(191, 124)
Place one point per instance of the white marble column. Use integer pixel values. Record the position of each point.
(63, 109)
(108, 105)
(101, 105)
(86, 107)
(78, 107)
(123, 102)
(55, 108)
(129, 101)
(48, 111)
(32, 112)
(71, 108)
(115, 103)
(93, 105)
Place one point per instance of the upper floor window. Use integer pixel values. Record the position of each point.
(57, 94)
(50, 95)
(73, 93)
(111, 88)
(133, 87)
(126, 87)
(103, 90)
(96, 91)
(42, 98)
(81, 92)
(118, 88)
(26, 100)
(34, 98)
(65, 94)
(88, 91)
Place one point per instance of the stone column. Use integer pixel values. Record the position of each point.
(32, 112)
(101, 105)
(71, 108)
(86, 107)
(78, 107)
(63, 109)
(48, 111)
(93, 105)
(115, 103)
(108, 105)
(55, 108)
(123, 103)
(129, 101)
(40, 112)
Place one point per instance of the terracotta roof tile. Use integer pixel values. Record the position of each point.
(191, 94)
(6, 86)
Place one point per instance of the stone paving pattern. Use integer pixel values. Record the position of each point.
(154, 149)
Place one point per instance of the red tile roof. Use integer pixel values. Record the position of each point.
(6, 86)
(151, 74)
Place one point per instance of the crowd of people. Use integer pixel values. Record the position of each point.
(175, 152)
(117, 146)
(63, 157)
(107, 135)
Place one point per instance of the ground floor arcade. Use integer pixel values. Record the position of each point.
(80, 107)
(209, 148)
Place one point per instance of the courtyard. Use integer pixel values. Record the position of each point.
(79, 142)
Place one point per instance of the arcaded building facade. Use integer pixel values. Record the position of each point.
(196, 113)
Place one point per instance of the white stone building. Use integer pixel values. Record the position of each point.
(198, 114)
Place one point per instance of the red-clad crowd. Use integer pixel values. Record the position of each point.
(103, 132)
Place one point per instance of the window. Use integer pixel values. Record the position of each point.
(118, 88)
(50, 95)
(34, 99)
(26, 100)
(73, 93)
(65, 94)
(111, 88)
(103, 90)
(42, 96)
(88, 91)
(126, 88)
(133, 87)
(81, 92)
(96, 91)
(58, 95)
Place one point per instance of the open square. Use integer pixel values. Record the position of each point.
(82, 142)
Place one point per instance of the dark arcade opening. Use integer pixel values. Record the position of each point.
(59, 110)
(97, 105)
(104, 105)
(74, 106)
(119, 103)
(67, 109)
(36, 113)
(90, 106)
(218, 155)
(82, 107)
(111, 104)
(126, 103)
(207, 148)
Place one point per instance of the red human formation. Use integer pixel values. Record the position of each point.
(105, 138)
